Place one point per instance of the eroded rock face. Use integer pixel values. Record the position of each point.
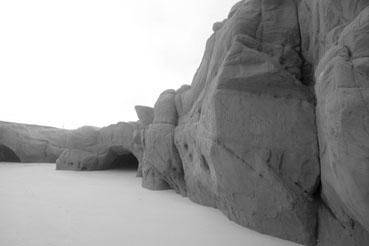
(31, 143)
(333, 232)
(90, 148)
(146, 117)
(342, 90)
(86, 148)
(145, 114)
(321, 22)
(162, 167)
(246, 133)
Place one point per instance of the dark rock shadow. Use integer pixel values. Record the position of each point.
(8, 155)
(125, 162)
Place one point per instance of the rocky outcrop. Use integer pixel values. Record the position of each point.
(145, 115)
(249, 135)
(162, 166)
(86, 148)
(246, 132)
(90, 148)
(321, 22)
(32, 143)
(145, 118)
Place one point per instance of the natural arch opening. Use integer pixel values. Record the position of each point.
(121, 158)
(125, 161)
(8, 155)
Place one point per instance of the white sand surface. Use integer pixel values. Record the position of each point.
(40, 206)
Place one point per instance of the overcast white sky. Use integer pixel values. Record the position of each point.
(68, 63)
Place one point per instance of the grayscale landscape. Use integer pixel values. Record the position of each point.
(268, 144)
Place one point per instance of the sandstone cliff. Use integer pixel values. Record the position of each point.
(273, 128)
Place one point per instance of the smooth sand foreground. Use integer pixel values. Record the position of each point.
(40, 206)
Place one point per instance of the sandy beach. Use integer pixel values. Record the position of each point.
(40, 206)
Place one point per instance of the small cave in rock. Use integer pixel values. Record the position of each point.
(8, 155)
(125, 161)
(121, 158)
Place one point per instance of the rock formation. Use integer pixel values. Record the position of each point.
(90, 148)
(146, 117)
(31, 143)
(162, 166)
(273, 129)
(342, 90)
(7, 154)
(86, 148)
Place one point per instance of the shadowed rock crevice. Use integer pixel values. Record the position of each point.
(125, 161)
(114, 157)
(8, 155)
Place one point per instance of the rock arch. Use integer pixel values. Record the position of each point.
(120, 157)
(115, 156)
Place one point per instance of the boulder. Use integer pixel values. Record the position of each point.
(165, 111)
(145, 114)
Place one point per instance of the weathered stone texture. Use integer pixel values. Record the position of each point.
(32, 143)
(90, 148)
(342, 91)
(86, 148)
(332, 232)
(162, 166)
(248, 142)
